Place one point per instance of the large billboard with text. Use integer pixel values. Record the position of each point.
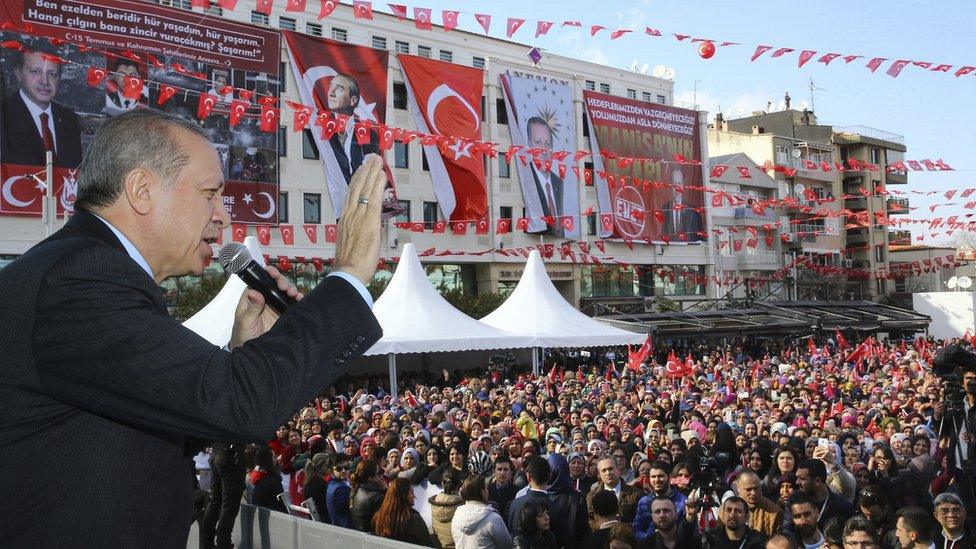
(660, 196)
(70, 65)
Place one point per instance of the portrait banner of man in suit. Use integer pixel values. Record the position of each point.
(348, 81)
(540, 119)
(652, 143)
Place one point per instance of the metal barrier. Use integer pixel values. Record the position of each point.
(260, 528)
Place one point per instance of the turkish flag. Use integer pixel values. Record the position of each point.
(264, 6)
(482, 227)
(166, 92)
(421, 18)
(459, 228)
(95, 76)
(296, 5)
(439, 227)
(606, 221)
(744, 172)
(718, 170)
(205, 105)
(237, 110)
(264, 234)
(362, 10)
(522, 224)
(567, 222)
(238, 232)
(450, 19)
(448, 98)
(513, 26)
(287, 235)
(737, 245)
(331, 233)
(399, 10)
(328, 6)
(502, 226)
(417, 227)
(312, 232)
(269, 119)
(483, 20)
(302, 115)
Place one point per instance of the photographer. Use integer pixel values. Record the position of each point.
(955, 417)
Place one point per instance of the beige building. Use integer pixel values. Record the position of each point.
(304, 198)
(817, 231)
(931, 275)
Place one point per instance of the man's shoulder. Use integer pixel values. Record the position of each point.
(60, 111)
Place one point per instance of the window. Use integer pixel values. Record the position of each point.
(282, 76)
(405, 216)
(214, 9)
(399, 96)
(875, 155)
(505, 212)
(586, 124)
(591, 224)
(181, 4)
(501, 115)
(504, 170)
(430, 214)
(662, 99)
(588, 166)
(590, 85)
(401, 47)
(259, 18)
(423, 160)
(282, 207)
(782, 154)
(401, 155)
(423, 51)
(313, 28)
(646, 96)
(287, 23)
(339, 34)
(282, 142)
(313, 207)
(478, 62)
(632, 94)
(605, 88)
(483, 100)
(379, 42)
(879, 254)
(310, 150)
(447, 56)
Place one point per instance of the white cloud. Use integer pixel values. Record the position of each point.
(741, 104)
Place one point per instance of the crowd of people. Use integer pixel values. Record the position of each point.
(754, 445)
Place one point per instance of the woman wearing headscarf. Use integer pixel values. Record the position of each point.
(568, 505)
(456, 459)
(316, 480)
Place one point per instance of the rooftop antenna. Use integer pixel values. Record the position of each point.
(812, 88)
(695, 95)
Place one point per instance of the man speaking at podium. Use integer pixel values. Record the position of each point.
(102, 392)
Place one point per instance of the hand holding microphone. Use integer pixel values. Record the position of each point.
(267, 287)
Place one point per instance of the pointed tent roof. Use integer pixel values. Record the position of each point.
(536, 309)
(416, 319)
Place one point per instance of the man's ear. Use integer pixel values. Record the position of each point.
(140, 186)
(354, 101)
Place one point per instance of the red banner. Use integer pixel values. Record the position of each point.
(446, 100)
(22, 191)
(349, 82)
(622, 127)
(135, 55)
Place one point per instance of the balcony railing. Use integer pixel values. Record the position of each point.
(765, 257)
(897, 205)
(873, 133)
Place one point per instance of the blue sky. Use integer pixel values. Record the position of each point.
(936, 112)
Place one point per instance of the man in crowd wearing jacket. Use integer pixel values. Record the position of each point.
(764, 515)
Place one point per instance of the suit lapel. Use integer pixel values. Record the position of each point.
(35, 136)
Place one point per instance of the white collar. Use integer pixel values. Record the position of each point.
(33, 108)
(130, 248)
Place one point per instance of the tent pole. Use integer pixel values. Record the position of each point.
(535, 361)
(393, 378)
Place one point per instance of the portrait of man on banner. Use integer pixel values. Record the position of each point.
(681, 217)
(541, 119)
(349, 83)
(119, 68)
(33, 121)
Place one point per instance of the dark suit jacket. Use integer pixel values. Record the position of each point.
(557, 193)
(358, 152)
(100, 390)
(515, 508)
(689, 222)
(20, 142)
(626, 503)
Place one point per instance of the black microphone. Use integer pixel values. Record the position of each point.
(235, 259)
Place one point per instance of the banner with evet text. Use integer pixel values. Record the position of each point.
(651, 133)
(78, 63)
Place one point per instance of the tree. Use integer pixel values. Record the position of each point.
(192, 293)
(473, 305)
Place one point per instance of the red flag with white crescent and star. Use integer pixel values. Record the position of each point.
(287, 234)
(446, 100)
(238, 233)
(331, 231)
(312, 232)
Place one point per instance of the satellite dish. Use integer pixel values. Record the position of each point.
(659, 71)
(643, 69)
(798, 189)
(804, 105)
(965, 282)
(669, 73)
(952, 282)
(633, 66)
(797, 153)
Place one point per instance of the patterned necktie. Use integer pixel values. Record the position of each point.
(552, 203)
(46, 134)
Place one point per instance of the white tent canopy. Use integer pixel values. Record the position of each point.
(536, 309)
(416, 319)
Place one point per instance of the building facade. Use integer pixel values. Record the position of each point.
(304, 198)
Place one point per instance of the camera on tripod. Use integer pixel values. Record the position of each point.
(948, 365)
